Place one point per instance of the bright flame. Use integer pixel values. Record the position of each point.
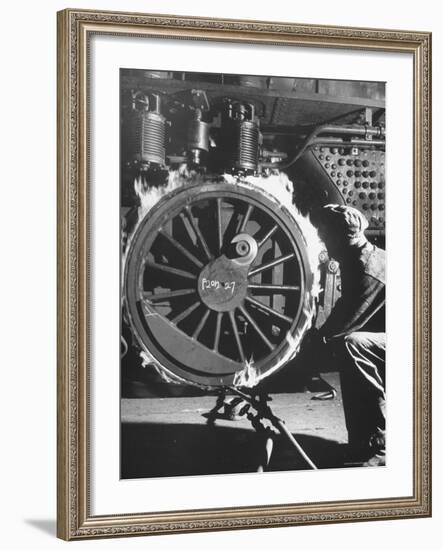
(276, 185)
(248, 377)
(150, 195)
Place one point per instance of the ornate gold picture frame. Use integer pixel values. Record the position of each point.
(76, 517)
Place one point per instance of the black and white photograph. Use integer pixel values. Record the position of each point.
(252, 273)
(226, 233)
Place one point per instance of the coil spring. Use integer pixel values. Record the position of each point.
(248, 140)
(153, 135)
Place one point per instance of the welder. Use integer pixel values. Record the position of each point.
(354, 334)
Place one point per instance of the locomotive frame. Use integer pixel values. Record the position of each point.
(75, 520)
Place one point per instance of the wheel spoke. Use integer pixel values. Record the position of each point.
(201, 324)
(186, 313)
(272, 264)
(167, 295)
(217, 331)
(186, 225)
(197, 232)
(268, 235)
(219, 225)
(256, 327)
(237, 336)
(171, 270)
(268, 309)
(181, 248)
(246, 218)
(273, 288)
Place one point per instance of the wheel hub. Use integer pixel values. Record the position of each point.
(223, 284)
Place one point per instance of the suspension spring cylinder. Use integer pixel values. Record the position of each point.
(147, 133)
(153, 135)
(246, 155)
(241, 137)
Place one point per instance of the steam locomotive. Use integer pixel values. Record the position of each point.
(223, 274)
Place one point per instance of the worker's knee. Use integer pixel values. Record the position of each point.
(363, 358)
(357, 339)
(364, 340)
(350, 350)
(353, 339)
(364, 350)
(351, 345)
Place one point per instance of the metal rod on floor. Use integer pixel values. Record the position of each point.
(265, 411)
(280, 425)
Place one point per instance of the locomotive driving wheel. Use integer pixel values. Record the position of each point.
(217, 282)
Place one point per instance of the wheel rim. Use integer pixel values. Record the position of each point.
(216, 281)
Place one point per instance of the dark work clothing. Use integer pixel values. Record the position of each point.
(355, 332)
(362, 373)
(362, 303)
